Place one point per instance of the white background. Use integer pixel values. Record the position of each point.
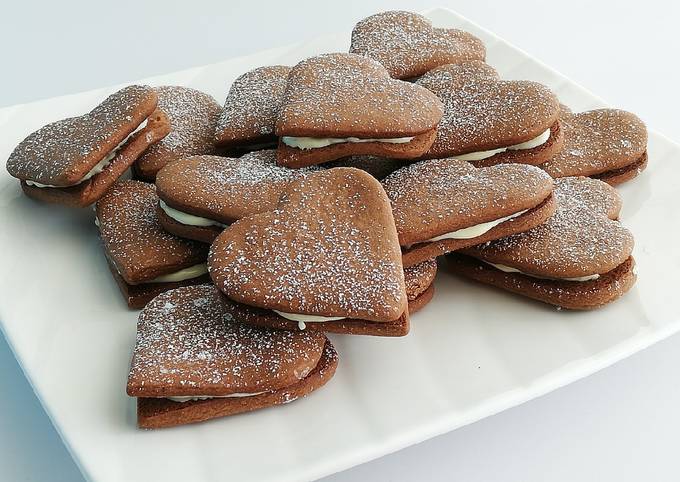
(621, 424)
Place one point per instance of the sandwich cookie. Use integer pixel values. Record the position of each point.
(201, 195)
(579, 259)
(193, 361)
(339, 105)
(419, 281)
(193, 117)
(326, 259)
(408, 45)
(443, 205)
(144, 259)
(607, 144)
(489, 121)
(74, 161)
(251, 109)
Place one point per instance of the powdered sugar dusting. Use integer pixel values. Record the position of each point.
(60, 153)
(133, 237)
(430, 198)
(580, 239)
(193, 116)
(482, 112)
(419, 277)
(598, 141)
(329, 249)
(407, 44)
(224, 188)
(378, 167)
(187, 344)
(344, 95)
(252, 105)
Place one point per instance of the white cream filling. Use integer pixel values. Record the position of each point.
(303, 319)
(99, 167)
(510, 269)
(317, 142)
(207, 397)
(183, 274)
(188, 219)
(476, 230)
(530, 144)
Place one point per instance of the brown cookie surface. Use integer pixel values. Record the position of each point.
(408, 45)
(624, 174)
(133, 239)
(252, 107)
(581, 295)
(161, 412)
(483, 113)
(193, 117)
(346, 326)
(137, 296)
(89, 191)
(603, 143)
(343, 95)
(433, 198)
(225, 189)
(350, 96)
(62, 152)
(329, 249)
(582, 238)
(419, 277)
(188, 346)
(421, 300)
(297, 158)
(378, 167)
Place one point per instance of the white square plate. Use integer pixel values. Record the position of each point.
(472, 352)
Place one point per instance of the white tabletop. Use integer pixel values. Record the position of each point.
(620, 424)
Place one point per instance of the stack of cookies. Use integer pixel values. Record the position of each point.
(318, 199)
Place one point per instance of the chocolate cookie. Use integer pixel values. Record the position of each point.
(608, 144)
(579, 259)
(193, 117)
(251, 108)
(74, 161)
(194, 362)
(144, 259)
(201, 195)
(419, 280)
(489, 121)
(443, 205)
(408, 45)
(339, 105)
(327, 259)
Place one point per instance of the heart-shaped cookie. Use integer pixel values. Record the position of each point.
(74, 161)
(144, 259)
(193, 116)
(580, 258)
(328, 255)
(252, 107)
(408, 45)
(201, 195)
(338, 105)
(490, 121)
(193, 361)
(442, 205)
(608, 144)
